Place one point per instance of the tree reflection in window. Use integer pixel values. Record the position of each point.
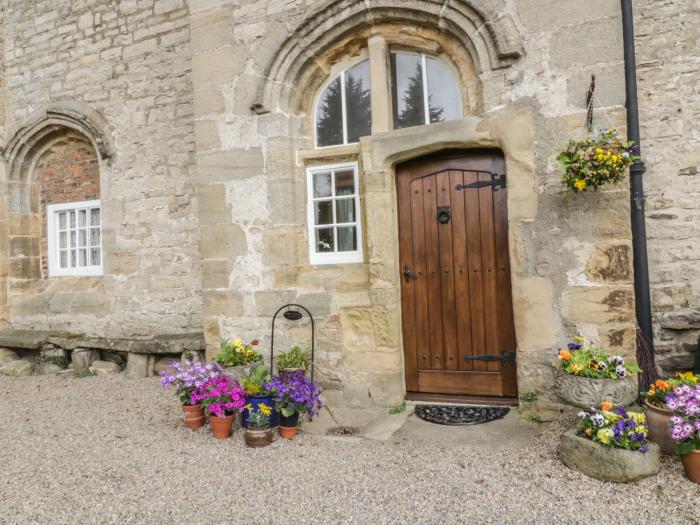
(343, 112)
(419, 81)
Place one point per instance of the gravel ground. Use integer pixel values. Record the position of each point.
(112, 450)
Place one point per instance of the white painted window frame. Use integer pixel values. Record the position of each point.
(52, 211)
(323, 258)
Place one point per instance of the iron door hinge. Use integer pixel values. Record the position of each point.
(497, 182)
(505, 358)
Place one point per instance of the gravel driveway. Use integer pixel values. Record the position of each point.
(112, 450)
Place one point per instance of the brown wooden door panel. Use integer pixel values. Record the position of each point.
(456, 295)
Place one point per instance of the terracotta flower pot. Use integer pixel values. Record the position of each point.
(691, 463)
(586, 392)
(658, 422)
(289, 425)
(221, 427)
(194, 416)
(257, 438)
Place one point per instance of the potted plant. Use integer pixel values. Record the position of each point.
(222, 397)
(258, 432)
(295, 394)
(610, 444)
(256, 386)
(685, 427)
(294, 360)
(597, 160)
(585, 377)
(658, 414)
(238, 359)
(186, 377)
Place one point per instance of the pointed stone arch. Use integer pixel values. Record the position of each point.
(489, 36)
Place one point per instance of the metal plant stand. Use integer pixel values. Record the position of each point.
(293, 312)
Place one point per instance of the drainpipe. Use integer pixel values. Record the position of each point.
(642, 299)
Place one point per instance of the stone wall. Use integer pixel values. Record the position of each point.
(571, 257)
(127, 67)
(667, 56)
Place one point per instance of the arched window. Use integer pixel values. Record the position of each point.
(424, 90)
(343, 111)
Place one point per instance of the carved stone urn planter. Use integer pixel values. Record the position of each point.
(659, 421)
(608, 463)
(586, 392)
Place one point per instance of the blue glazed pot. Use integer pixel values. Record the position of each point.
(255, 401)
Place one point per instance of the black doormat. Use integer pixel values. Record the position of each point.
(460, 415)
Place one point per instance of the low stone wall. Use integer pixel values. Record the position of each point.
(27, 352)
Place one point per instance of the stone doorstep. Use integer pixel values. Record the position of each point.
(159, 344)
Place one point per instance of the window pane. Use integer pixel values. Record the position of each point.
(323, 212)
(83, 257)
(347, 239)
(62, 221)
(82, 217)
(322, 184)
(344, 182)
(324, 240)
(63, 259)
(94, 237)
(329, 116)
(345, 211)
(72, 239)
(357, 101)
(72, 219)
(95, 217)
(72, 259)
(94, 256)
(63, 240)
(407, 90)
(443, 92)
(82, 238)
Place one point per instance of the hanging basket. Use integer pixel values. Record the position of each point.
(595, 161)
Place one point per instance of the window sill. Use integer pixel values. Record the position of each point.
(344, 153)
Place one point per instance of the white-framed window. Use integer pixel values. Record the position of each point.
(335, 229)
(343, 109)
(74, 238)
(424, 90)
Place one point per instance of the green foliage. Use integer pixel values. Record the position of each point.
(84, 373)
(259, 419)
(535, 419)
(400, 409)
(596, 161)
(295, 357)
(687, 446)
(54, 360)
(529, 397)
(255, 383)
(237, 353)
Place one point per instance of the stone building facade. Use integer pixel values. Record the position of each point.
(201, 119)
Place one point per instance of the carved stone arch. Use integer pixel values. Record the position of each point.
(34, 132)
(491, 39)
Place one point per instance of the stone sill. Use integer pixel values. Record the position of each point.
(325, 155)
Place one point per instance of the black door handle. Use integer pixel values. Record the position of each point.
(408, 273)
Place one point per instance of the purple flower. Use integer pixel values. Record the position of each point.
(617, 360)
(644, 449)
(621, 371)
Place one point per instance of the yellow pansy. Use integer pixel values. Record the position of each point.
(605, 435)
(578, 339)
(599, 151)
(638, 417)
(576, 368)
(580, 184)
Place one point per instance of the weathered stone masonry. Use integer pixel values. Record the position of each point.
(204, 199)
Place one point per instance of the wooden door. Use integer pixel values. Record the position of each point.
(457, 312)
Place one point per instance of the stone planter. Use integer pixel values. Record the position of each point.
(658, 422)
(257, 438)
(237, 373)
(608, 463)
(585, 392)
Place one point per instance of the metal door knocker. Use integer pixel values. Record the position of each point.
(443, 214)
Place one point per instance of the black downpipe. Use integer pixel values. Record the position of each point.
(642, 296)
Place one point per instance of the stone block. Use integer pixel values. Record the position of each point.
(137, 365)
(25, 267)
(90, 301)
(206, 134)
(217, 67)
(603, 39)
(208, 101)
(216, 273)
(105, 368)
(223, 241)
(543, 15)
(213, 208)
(17, 368)
(598, 305)
(610, 263)
(7, 355)
(223, 302)
(24, 247)
(533, 300)
(82, 358)
(356, 394)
